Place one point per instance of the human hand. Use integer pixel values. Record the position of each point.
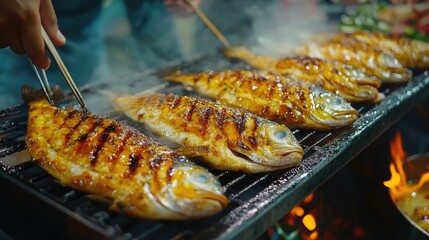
(181, 7)
(21, 28)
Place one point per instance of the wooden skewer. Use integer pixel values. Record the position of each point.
(209, 24)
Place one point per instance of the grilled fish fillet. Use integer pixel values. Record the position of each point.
(370, 60)
(297, 104)
(141, 177)
(409, 52)
(223, 137)
(335, 77)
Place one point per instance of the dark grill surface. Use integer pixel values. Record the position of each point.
(256, 201)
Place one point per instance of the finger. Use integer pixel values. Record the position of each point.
(50, 22)
(33, 44)
(13, 39)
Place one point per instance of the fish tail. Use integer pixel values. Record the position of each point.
(245, 54)
(168, 72)
(151, 90)
(239, 52)
(112, 97)
(128, 104)
(182, 78)
(30, 94)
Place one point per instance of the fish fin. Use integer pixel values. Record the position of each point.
(151, 90)
(101, 199)
(193, 151)
(238, 51)
(321, 37)
(30, 94)
(113, 97)
(168, 72)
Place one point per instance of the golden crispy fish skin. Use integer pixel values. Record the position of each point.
(141, 177)
(225, 138)
(297, 104)
(335, 77)
(370, 60)
(410, 53)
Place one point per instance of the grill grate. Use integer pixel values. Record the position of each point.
(256, 201)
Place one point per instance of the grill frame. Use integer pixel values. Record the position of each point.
(256, 203)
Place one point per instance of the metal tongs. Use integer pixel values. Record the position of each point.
(44, 79)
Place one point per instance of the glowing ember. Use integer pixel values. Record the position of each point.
(398, 183)
(308, 199)
(309, 222)
(314, 235)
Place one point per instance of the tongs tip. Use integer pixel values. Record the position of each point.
(44, 79)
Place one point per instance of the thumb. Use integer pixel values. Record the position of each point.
(50, 22)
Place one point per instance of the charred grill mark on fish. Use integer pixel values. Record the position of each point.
(69, 116)
(190, 111)
(133, 163)
(240, 121)
(120, 147)
(82, 140)
(205, 118)
(156, 162)
(220, 117)
(252, 135)
(101, 142)
(175, 102)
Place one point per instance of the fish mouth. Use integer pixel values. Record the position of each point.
(204, 205)
(367, 82)
(291, 158)
(298, 151)
(282, 159)
(279, 159)
(397, 75)
(362, 93)
(338, 119)
(212, 197)
(346, 115)
(194, 205)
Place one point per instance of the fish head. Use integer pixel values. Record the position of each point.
(391, 69)
(193, 192)
(275, 146)
(420, 53)
(355, 85)
(330, 111)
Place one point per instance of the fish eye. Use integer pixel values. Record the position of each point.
(280, 134)
(335, 101)
(202, 178)
(332, 99)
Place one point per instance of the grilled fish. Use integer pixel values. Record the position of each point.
(139, 176)
(225, 138)
(409, 52)
(372, 61)
(335, 77)
(297, 104)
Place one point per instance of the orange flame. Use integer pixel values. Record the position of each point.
(398, 183)
(300, 216)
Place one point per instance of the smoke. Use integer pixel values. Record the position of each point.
(265, 26)
(289, 24)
